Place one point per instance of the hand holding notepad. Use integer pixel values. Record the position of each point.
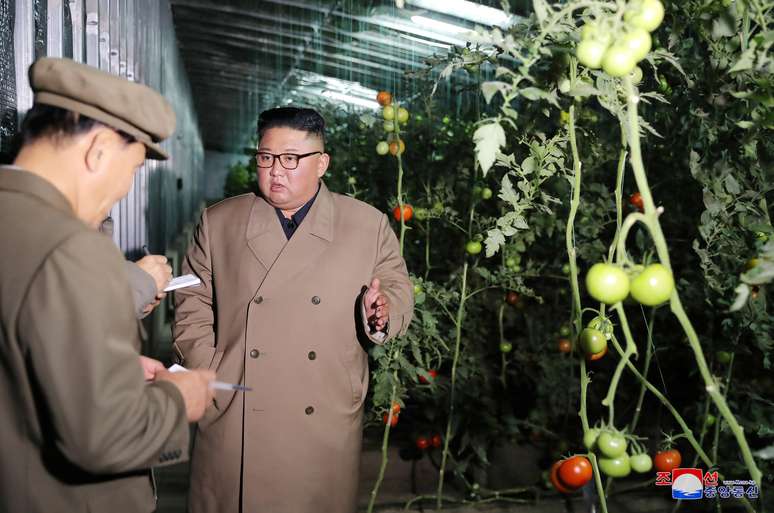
(217, 385)
(187, 280)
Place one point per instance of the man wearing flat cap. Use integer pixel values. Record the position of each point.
(83, 416)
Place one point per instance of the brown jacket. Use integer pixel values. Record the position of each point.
(282, 317)
(79, 427)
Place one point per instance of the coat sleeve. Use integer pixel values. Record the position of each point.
(194, 328)
(143, 288)
(390, 268)
(79, 333)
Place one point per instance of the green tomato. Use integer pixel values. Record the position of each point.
(403, 115)
(653, 286)
(446, 120)
(611, 444)
(477, 191)
(723, 357)
(615, 467)
(709, 420)
(592, 341)
(618, 61)
(389, 126)
(486, 193)
(506, 347)
(564, 85)
(388, 113)
(421, 213)
(566, 269)
(351, 180)
(417, 289)
(510, 262)
(438, 208)
(648, 15)
(564, 330)
(638, 41)
(473, 247)
(590, 438)
(607, 283)
(590, 53)
(641, 462)
(382, 148)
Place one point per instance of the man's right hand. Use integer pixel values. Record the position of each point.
(158, 268)
(194, 385)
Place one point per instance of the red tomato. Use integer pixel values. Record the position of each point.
(560, 487)
(408, 213)
(565, 346)
(433, 374)
(384, 98)
(395, 408)
(575, 471)
(667, 460)
(423, 443)
(436, 441)
(512, 298)
(635, 200)
(394, 422)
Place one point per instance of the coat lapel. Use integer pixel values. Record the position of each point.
(265, 237)
(303, 249)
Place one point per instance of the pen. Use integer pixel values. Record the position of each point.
(220, 385)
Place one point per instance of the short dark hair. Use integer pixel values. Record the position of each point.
(306, 120)
(48, 121)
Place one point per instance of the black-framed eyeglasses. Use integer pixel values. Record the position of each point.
(265, 159)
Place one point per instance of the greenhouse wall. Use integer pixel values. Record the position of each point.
(133, 39)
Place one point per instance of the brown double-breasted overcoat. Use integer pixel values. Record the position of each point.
(282, 317)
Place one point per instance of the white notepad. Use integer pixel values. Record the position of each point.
(187, 280)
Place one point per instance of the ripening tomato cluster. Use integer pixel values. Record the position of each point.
(610, 284)
(394, 117)
(611, 445)
(617, 52)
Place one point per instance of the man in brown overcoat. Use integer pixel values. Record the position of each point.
(79, 426)
(289, 280)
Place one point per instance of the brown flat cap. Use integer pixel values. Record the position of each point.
(132, 108)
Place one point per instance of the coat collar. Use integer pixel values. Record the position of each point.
(19, 180)
(267, 241)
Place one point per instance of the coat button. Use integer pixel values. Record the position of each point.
(258, 300)
(315, 300)
(309, 410)
(312, 355)
(254, 353)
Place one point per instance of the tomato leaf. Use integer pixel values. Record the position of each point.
(489, 89)
(489, 138)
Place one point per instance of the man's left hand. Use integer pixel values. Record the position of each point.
(150, 367)
(377, 307)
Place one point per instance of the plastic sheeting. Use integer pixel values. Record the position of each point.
(7, 80)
